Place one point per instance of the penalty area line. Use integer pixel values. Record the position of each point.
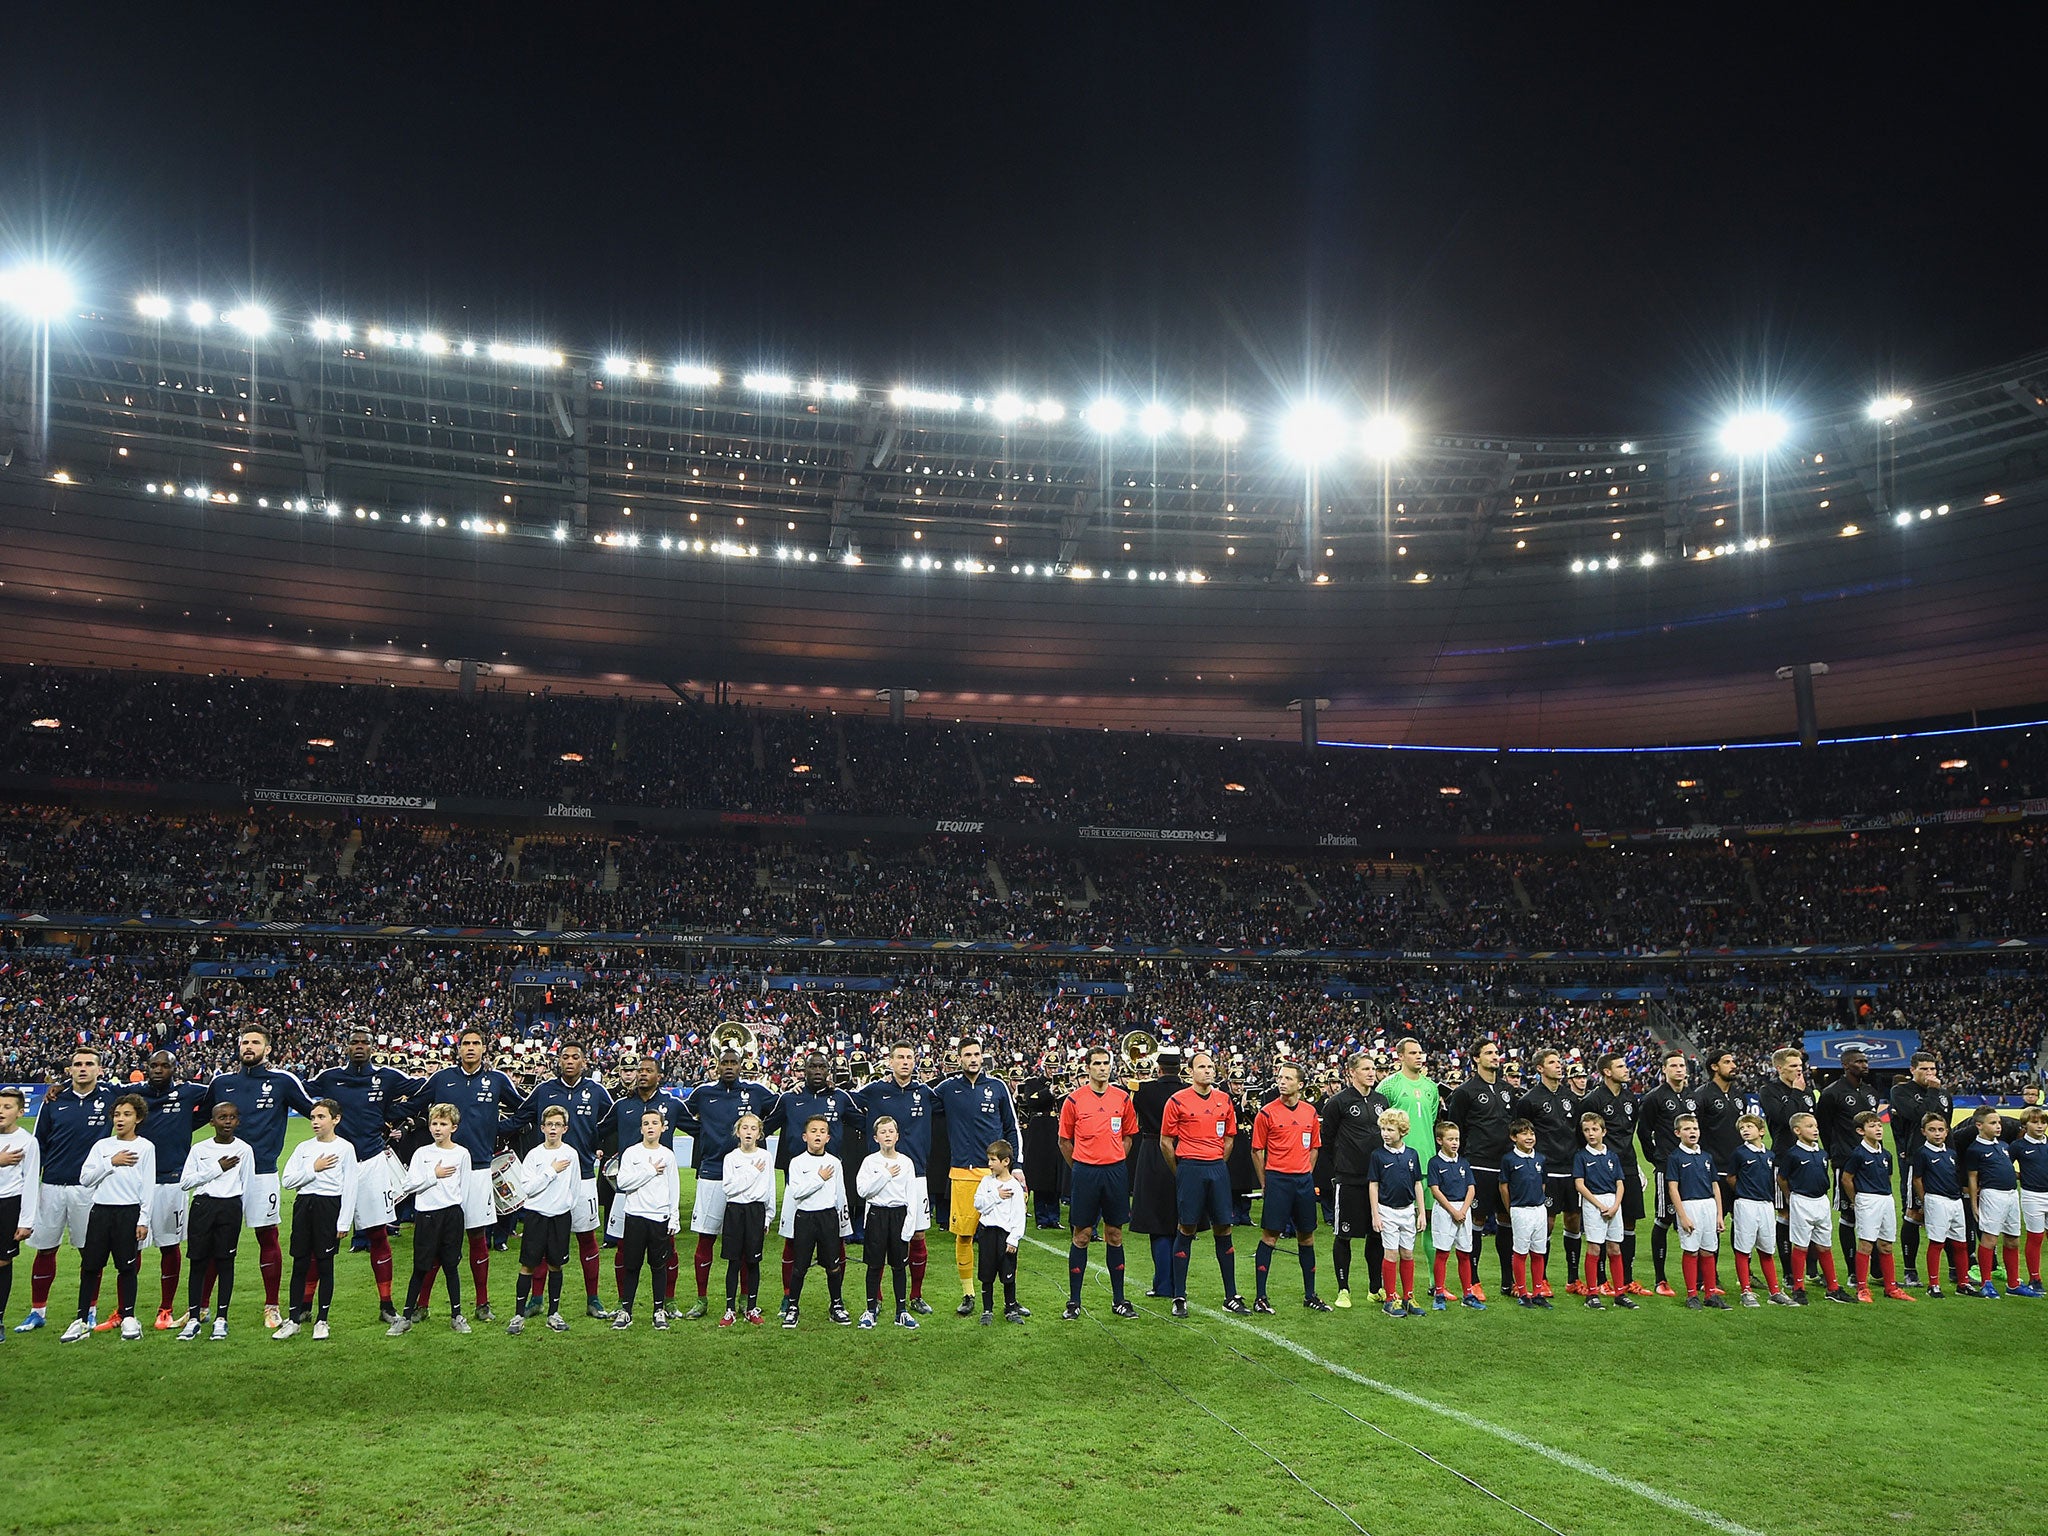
(1670, 1502)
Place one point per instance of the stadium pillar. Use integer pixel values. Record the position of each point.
(1801, 676)
(1309, 720)
(465, 686)
(896, 707)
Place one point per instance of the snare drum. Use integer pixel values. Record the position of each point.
(505, 1183)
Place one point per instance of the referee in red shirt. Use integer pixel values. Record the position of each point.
(1195, 1137)
(1098, 1122)
(1286, 1135)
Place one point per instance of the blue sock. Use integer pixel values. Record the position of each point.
(1308, 1271)
(1262, 1261)
(1114, 1253)
(1077, 1266)
(1226, 1260)
(1180, 1268)
(1162, 1265)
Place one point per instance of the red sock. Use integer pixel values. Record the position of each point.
(1521, 1263)
(1934, 1265)
(1959, 1260)
(1390, 1270)
(1798, 1268)
(480, 1264)
(1710, 1271)
(1742, 1270)
(270, 1261)
(170, 1266)
(1465, 1272)
(675, 1270)
(42, 1275)
(1887, 1263)
(1862, 1270)
(2012, 1264)
(920, 1255)
(425, 1300)
(380, 1262)
(1614, 1273)
(1407, 1277)
(586, 1246)
(1771, 1271)
(619, 1270)
(1690, 1262)
(705, 1248)
(1985, 1269)
(537, 1282)
(2034, 1256)
(312, 1285)
(788, 1265)
(1827, 1268)
(1437, 1266)
(1539, 1262)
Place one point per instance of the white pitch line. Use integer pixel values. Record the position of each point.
(1657, 1496)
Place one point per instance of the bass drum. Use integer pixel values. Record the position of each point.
(505, 1183)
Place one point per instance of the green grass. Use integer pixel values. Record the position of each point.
(1820, 1421)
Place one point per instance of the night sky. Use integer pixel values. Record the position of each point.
(1511, 219)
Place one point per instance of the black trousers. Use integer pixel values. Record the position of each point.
(647, 1240)
(437, 1244)
(995, 1261)
(213, 1230)
(816, 1240)
(887, 1248)
(110, 1233)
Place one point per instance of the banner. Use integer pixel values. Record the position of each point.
(829, 984)
(34, 1093)
(342, 798)
(241, 970)
(1888, 1049)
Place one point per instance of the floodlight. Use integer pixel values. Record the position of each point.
(1155, 420)
(1227, 425)
(199, 312)
(41, 293)
(1753, 432)
(1385, 436)
(1105, 416)
(1888, 407)
(1312, 431)
(249, 319)
(153, 306)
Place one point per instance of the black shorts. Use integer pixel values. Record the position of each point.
(746, 1230)
(1632, 1196)
(315, 1220)
(886, 1243)
(1560, 1194)
(1101, 1194)
(545, 1241)
(1351, 1210)
(213, 1227)
(10, 1218)
(1487, 1210)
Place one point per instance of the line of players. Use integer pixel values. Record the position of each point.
(1516, 1148)
(65, 1179)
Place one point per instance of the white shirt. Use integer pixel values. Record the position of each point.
(550, 1192)
(203, 1173)
(432, 1191)
(997, 1209)
(648, 1181)
(878, 1186)
(809, 1190)
(750, 1178)
(339, 1181)
(25, 1178)
(133, 1185)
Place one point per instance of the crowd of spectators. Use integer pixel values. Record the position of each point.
(1948, 884)
(139, 727)
(1984, 1023)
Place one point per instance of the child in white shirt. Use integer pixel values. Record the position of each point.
(895, 1209)
(437, 1181)
(323, 1171)
(120, 1171)
(651, 1193)
(814, 1218)
(749, 1206)
(999, 1202)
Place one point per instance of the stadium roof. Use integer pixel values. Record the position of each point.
(235, 489)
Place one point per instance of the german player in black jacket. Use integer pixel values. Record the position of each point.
(1351, 1132)
(1781, 1097)
(1720, 1107)
(1551, 1108)
(1610, 1099)
(1481, 1107)
(1657, 1115)
(1841, 1102)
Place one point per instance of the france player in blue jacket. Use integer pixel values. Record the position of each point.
(489, 1104)
(711, 1115)
(979, 1111)
(840, 1111)
(913, 1106)
(588, 1104)
(73, 1120)
(264, 1096)
(370, 1096)
(174, 1114)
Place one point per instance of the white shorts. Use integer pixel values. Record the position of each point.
(64, 1208)
(167, 1217)
(1877, 1219)
(1446, 1235)
(1397, 1228)
(1595, 1228)
(2034, 1209)
(707, 1215)
(1941, 1218)
(479, 1200)
(1998, 1212)
(1811, 1221)
(1531, 1225)
(262, 1200)
(375, 1204)
(1756, 1227)
(1705, 1236)
(583, 1206)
